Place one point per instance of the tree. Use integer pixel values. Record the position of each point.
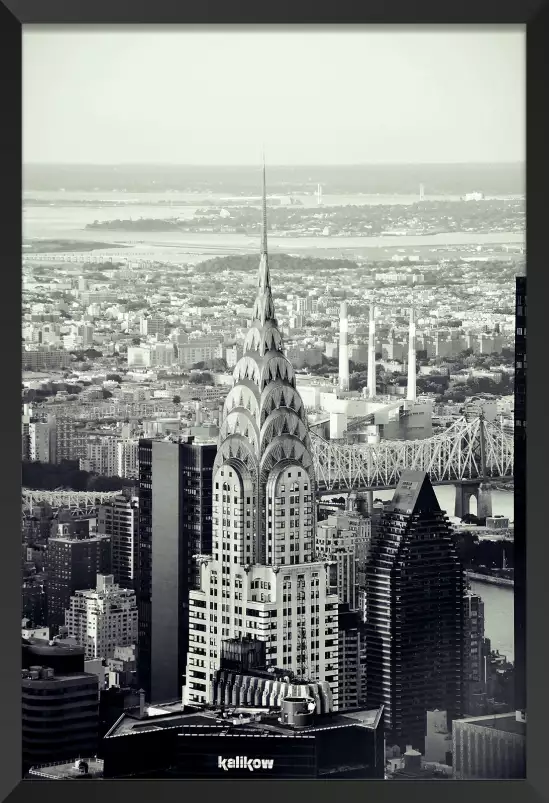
(176, 399)
(107, 394)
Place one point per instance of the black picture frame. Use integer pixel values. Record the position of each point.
(531, 13)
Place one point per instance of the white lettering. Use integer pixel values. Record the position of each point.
(245, 763)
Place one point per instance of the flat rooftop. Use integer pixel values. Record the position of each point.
(187, 720)
(507, 723)
(68, 770)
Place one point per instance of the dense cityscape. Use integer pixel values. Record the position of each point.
(273, 405)
(191, 555)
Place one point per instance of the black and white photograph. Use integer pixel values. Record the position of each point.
(273, 406)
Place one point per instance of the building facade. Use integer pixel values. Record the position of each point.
(261, 579)
(175, 523)
(119, 520)
(103, 618)
(489, 747)
(60, 715)
(414, 613)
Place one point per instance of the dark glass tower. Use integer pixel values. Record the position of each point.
(414, 614)
(175, 523)
(520, 494)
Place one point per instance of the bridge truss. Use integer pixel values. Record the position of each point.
(456, 455)
(73, 501)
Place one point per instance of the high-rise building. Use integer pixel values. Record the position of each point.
(119, 520)
(474, 670)
(101, 456)
(414, 613)
(175, 523)
(73, 563)
(261, 578)
(520, 494)
(40, 441)
(69, 440)
(127, 458)
(103, 618)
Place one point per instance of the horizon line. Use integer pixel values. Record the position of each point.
(273, 164)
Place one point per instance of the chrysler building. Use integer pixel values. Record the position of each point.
(262, 580)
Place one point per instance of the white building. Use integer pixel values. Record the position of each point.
(262, 579)
(127, 458)
(40, 434)
(103, 618)
(139, 357)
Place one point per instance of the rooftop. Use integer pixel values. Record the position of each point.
(69, 770)
(507, 723)
(253, 719)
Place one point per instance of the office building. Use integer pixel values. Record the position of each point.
(119, 520)
(294, 742)
(103, 618)
(60, 704)
(414, 613)
(489, 747)
(261, 578)
(520, 622)
(73, 563)
(175, 523)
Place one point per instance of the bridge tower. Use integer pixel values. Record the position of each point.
(480, 488)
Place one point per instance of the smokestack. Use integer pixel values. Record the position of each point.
(411, 394)
(343, 348)
(372, 353)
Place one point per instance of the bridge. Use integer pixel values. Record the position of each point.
(468, 451)
(77, 502)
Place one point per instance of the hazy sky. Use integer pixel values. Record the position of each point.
(311, 96)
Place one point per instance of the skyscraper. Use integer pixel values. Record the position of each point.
(175, 523)
(261, 579)
(414, 613)
(520, 494)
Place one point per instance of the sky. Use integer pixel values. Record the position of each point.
(179, 95)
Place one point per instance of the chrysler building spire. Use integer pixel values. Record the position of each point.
(264, 306)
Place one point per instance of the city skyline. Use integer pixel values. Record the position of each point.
(386, 85)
